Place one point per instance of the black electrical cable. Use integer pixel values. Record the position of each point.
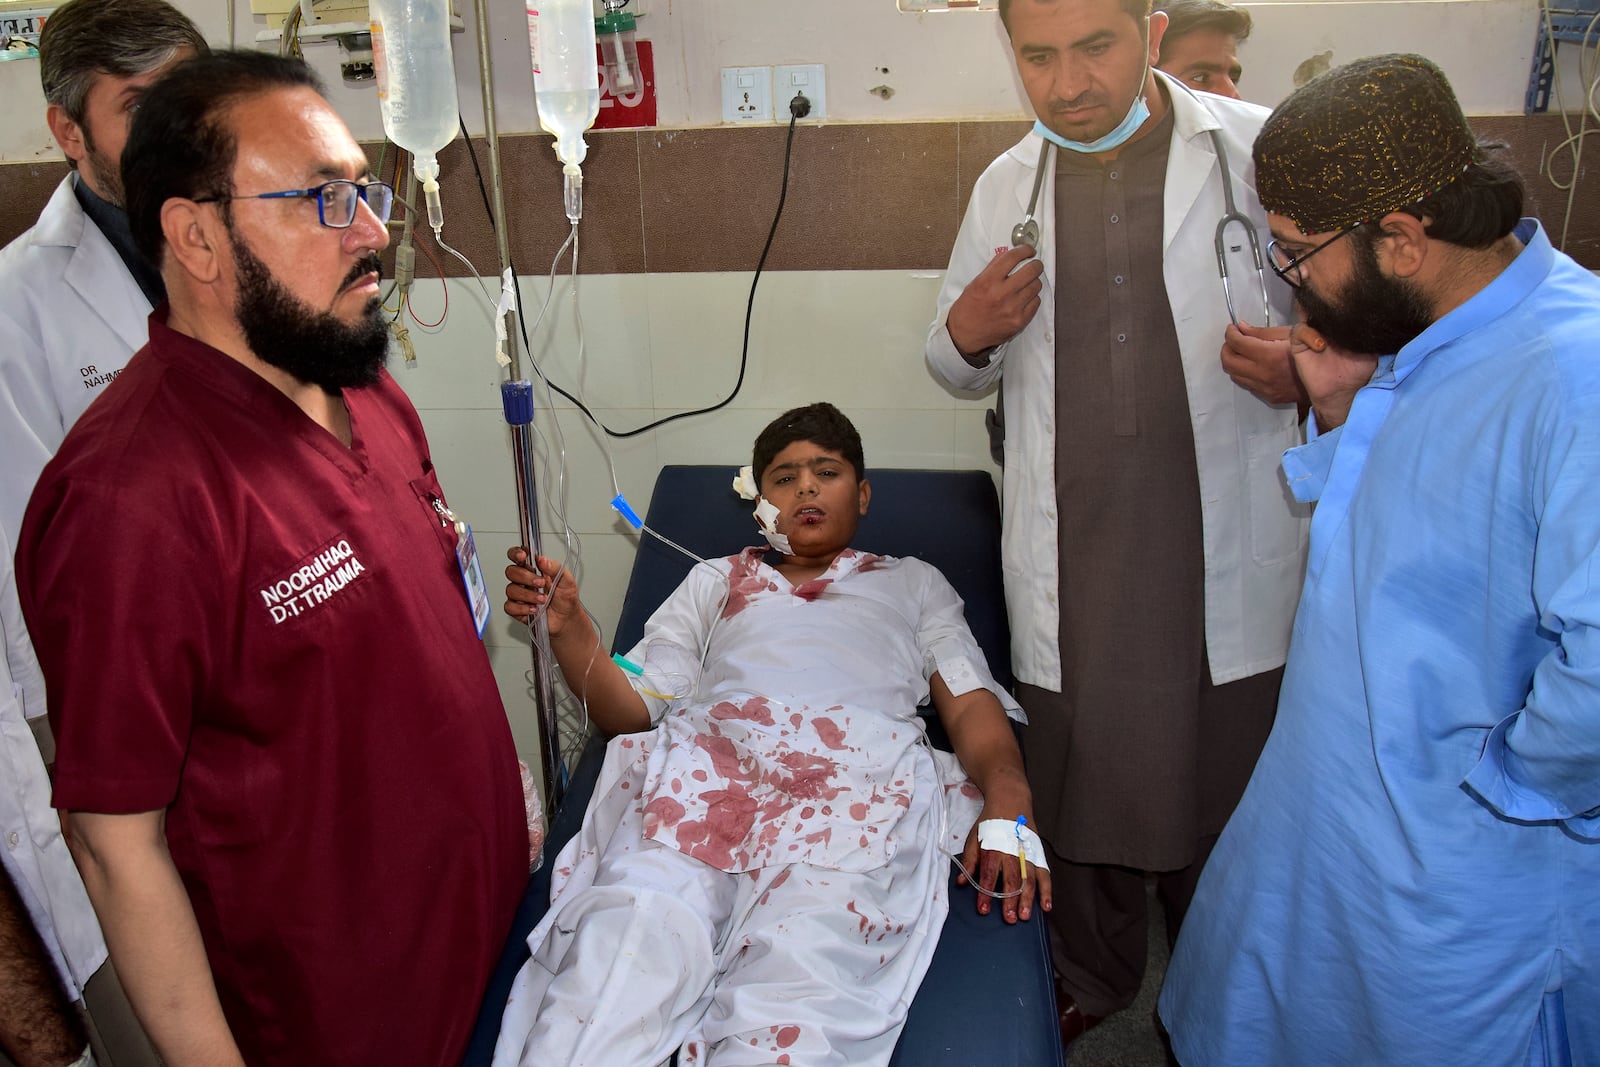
(797, 108)
(522, 323)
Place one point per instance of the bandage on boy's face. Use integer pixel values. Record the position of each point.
(819, 497)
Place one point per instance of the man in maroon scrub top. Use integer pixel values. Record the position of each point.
(283, 764)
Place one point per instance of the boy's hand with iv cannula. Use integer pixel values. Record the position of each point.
(593, 678)
(529, 590)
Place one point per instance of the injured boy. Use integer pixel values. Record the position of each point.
(761, 875)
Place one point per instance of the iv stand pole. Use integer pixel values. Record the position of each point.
(516, 397)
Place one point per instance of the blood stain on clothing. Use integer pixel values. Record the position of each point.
(729, 815)
(725, 758)
(755, 710)
(744, 582)
(698, 775)
(858, 812)
(811, 778)
(813, 589)
(829, 731)
(787, 1036)
(662, 811)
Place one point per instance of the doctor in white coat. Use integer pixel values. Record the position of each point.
(1123, 744)
(74, 299)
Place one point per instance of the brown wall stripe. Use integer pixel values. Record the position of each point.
(861, 197)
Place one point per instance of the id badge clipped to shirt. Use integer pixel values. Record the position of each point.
(472, 576)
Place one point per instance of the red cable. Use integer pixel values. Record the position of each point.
(438, 267)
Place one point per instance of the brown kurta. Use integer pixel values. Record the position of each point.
(1139, 756)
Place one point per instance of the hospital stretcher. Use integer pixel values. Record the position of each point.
(988, 997)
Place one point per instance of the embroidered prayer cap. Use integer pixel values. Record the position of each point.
(1360, 141)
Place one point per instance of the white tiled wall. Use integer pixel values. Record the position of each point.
(653, 345)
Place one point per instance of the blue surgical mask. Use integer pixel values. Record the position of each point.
(1138, 113)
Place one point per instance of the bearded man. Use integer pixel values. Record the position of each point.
(1410, 875)
(283, 765)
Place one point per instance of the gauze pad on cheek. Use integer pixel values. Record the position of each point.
(767, 517)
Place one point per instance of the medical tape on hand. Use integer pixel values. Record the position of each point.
(1005, 836)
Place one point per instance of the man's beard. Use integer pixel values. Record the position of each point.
(1374, 315)
(315, 347)
(107, 171)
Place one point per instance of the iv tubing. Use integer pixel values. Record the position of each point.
(492, 136)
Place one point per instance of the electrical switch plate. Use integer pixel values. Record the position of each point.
(747, 94)
(804, 78)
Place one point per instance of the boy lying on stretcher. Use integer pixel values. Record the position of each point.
(761, 873)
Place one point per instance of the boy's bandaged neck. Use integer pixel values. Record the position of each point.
(767, 517)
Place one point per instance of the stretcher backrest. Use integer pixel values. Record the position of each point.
(950, 519)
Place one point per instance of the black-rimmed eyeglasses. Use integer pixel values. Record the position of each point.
(336, 200)
(1287, 267)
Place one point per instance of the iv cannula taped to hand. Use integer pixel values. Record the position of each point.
(416, 85)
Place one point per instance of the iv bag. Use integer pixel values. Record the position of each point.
(566, 74)
(416, 78)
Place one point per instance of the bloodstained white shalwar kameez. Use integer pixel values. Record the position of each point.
(761, 878)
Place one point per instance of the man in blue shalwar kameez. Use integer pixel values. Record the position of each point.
(1413, 875)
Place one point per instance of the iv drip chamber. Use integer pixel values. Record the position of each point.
(416, 85)
(566, 74)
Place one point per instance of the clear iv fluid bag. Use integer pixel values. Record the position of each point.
(416, 84)
(566, 74)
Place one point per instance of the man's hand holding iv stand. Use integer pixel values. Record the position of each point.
(1331, 376)
(996, 305)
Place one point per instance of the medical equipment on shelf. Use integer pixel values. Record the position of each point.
(566, 84)
(416, 85)
(1026, 232)
(615, 32)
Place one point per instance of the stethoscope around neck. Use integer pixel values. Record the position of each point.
(1026, 232)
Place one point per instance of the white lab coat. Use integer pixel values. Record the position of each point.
(1254, 534)
(70, 318)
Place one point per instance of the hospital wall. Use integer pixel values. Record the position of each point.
(675, 218)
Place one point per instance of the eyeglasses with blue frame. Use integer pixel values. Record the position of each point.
(336, 200)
